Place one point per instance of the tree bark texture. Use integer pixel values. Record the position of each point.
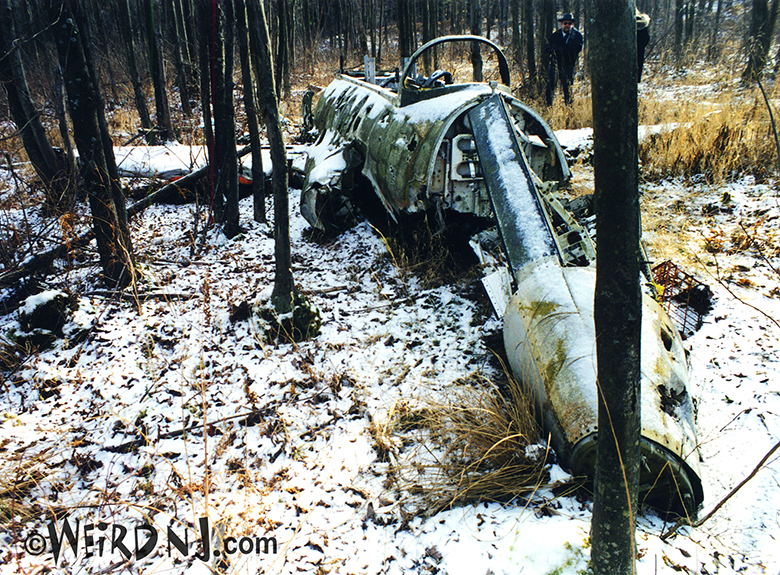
(476, 30)
(205, 60)
(51, 168)
(618, 297)
(258, 175)
(226, 162)
(762, 25)
(157, 70)
(181, 50)
(530, 46)
(109, 216)
(284, 285)
(126, 31)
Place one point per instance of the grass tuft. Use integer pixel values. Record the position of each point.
(481, 445)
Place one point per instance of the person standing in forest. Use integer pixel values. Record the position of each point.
(642, 40)
(564, 47)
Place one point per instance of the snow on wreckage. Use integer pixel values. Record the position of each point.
(426, 145)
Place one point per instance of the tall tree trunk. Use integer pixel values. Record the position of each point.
(488, 13)
(530, 44)
(690, 20)
(406, 30)
(109, 216)
(283, 52)
(382, 32)
(714, 51)
(180, 50)
(284, 284)
(205, 52)
(762, 25)
(679, 12)
(502, 19)
(258, 176)
(618, 297)
(517, 51)
(427, 9)
(476, 30)
(157, 70)
(126, 31)
(51, 168)
(60, 104)
(225, 161)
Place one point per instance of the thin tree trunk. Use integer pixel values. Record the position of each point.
(476, 30)
(530, 44)
(157, 70)
(405, 28)
(51, 169)
(761, 30)
(690, 20)
(205, 51)
(59, 103)
(283, 49)
(618, 297)
(284, 285)
(126, 31)
(514, 7)
(225, 161)
(109, 216)
(679, 11)
(180, 50)
(258, 176)
(714, 51)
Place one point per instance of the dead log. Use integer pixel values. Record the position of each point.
(42, 262)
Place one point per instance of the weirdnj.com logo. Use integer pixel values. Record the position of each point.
(139, 541)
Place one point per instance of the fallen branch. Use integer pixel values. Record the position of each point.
(42, 262)
(686, 522)
(142, 296)
(128, 445)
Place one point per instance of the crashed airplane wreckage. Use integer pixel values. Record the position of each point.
(431, 145)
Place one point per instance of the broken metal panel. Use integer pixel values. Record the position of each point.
(549, 334)
(523, 224)
(545, 154)
(476, 150)
(417, 156)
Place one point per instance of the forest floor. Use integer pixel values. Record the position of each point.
(175, 412)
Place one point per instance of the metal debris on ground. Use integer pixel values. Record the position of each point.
(686, 299)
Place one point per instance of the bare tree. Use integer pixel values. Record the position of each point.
(226, 160)
(762, 25)
(284, 47)
(126, 32)
(50, 167)
(181, 51)
(284, 284)
(157, 67)
(258, 176)
(618, 297)
(106, 200)
(476, 30)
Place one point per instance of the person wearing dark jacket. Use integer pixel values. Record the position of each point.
(564, 47)
(642, 40)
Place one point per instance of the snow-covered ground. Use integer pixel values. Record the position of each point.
(290, 447)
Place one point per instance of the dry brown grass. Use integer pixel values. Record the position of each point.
(481, 445)
(716, 139)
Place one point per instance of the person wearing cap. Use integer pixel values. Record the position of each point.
(642, 40)
(564, 47)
